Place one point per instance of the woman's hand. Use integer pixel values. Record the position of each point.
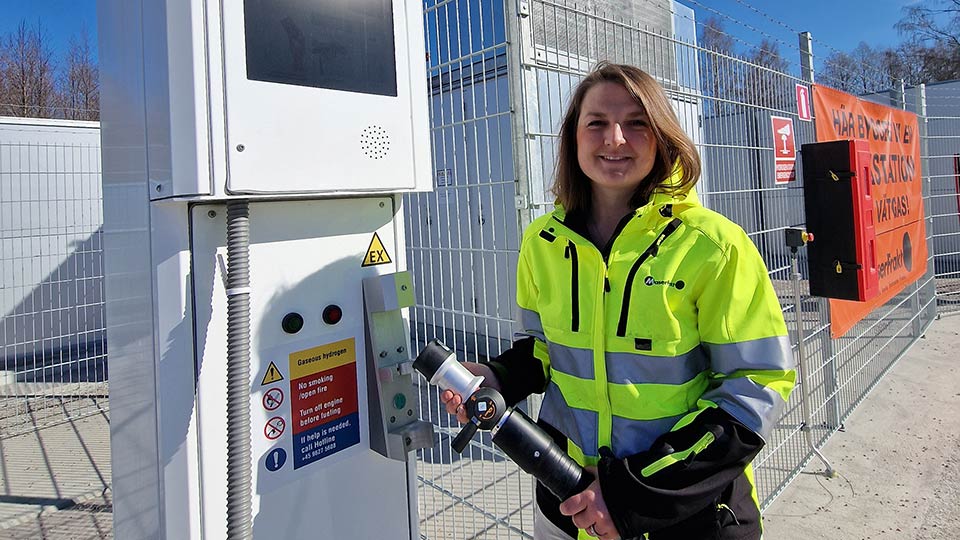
(589, 511)
(454, 404)
(454, 401)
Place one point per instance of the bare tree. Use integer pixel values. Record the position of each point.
(839, 71)
(930, 53)
(79, 92)
(27, 73)
(897, 63)
(714, 38)
(932, 32)
(932, 22)
(932, 63)
(764, 83)
(868, 70)
(718, 71)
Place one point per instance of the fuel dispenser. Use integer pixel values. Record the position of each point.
(254, 157)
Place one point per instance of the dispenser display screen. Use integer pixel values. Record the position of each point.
(335, 44)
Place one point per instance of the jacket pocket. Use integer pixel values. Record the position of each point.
(571, 253)
(630, 283)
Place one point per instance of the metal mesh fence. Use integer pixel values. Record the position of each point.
(500, 72)
(942, 171)
(462, 246)
(52, 338)
(726, 105)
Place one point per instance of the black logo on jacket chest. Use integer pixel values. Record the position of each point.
(649, 281)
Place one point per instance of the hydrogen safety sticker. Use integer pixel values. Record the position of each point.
(323, 401)
(272, 375)
(273, 399)
(275, 459)
(274, 428)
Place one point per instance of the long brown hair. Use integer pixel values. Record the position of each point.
(674, 148)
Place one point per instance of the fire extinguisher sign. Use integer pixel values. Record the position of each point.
(784, 150)
(803, 103)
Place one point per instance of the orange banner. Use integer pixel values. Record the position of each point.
(896, 188)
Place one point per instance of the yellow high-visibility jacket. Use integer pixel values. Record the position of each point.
(666, 349)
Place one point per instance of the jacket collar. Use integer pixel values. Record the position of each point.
(658, 200)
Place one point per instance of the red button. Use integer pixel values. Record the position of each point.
(332, 314)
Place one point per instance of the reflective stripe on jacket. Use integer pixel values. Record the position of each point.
(679, 317)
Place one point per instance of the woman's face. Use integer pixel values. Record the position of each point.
(616, 147)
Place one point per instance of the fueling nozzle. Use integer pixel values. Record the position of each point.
(439, 365)
(512, 431)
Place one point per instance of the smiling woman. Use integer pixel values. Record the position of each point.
(649, 324)
(616, 148)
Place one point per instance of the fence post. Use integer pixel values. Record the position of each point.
(520, 82)
(806, 57)
(920, 323)
(832, 407)
(898, 94)
(524, 98)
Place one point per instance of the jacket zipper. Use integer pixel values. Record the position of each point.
(651, 251)
(571, 253)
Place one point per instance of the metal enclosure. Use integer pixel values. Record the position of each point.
(296, 488)
(240, 97)
(316, 130)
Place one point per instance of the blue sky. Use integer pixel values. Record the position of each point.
(835, 24)
(59, 19)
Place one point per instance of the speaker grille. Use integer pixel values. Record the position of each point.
(375, 142)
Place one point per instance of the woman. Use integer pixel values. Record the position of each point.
(651, 326)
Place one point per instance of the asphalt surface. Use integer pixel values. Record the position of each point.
(897, 459)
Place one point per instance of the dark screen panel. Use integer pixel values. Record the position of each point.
(336, 44)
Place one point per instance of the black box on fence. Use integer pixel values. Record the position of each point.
(839, 211)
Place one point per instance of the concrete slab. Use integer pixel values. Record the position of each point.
(897, 459)
(62, 468)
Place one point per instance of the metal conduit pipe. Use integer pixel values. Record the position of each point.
(239, 468)
(802, 368)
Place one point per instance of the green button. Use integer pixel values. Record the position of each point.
(399, 401)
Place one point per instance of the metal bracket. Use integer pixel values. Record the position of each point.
(395, 425)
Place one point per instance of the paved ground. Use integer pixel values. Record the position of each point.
(55, 482)
(898, 458)
(898, 464)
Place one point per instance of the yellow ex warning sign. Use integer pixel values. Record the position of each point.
(376, 253)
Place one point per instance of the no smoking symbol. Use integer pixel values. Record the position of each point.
(272, 399)
(274, 427)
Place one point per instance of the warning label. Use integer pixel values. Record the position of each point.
(323, 401)
(272, 375)
(376, 253)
